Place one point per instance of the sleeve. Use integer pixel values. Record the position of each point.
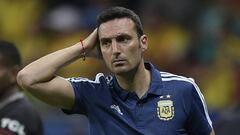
(84, 90)
(199, 122)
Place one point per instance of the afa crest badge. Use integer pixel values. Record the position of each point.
(165, 110)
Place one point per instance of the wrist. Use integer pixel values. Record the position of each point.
(83, 52)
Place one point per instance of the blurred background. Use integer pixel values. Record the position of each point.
(193, 38)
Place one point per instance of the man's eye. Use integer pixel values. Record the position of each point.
(105, 43)
(123, 39)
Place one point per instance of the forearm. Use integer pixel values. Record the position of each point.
(44, 69)
(212, 133)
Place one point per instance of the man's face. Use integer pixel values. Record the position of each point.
(7, 78)
(120, 46)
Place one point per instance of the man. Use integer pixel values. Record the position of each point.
(17, 116)
(136, 100)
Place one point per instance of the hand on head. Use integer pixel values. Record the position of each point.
(91, 45)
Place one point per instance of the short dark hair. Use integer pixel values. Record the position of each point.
(10, 53)
(118, 13)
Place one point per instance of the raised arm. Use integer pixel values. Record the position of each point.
(39, 77)
(212, 133)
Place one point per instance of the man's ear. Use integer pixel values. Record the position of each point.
(143, 42)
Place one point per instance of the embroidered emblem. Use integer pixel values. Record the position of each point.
(165, 109)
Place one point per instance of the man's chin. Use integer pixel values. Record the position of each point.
(119, 70)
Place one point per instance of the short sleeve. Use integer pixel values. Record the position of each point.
(83, 90)
(199, 122)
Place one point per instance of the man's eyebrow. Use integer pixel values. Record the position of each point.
(105, 39)
(120, 35)
(124, 35)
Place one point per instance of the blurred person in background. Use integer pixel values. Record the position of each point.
(136, 99)
(17, 116)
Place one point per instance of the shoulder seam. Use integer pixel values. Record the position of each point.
(172, 77)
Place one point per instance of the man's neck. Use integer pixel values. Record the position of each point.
(137, 80)
(7, 93)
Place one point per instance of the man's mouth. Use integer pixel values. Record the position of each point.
(118, 62)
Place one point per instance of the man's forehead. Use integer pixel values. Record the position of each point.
(116, 27)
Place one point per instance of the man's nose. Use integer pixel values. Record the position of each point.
(115, 47)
